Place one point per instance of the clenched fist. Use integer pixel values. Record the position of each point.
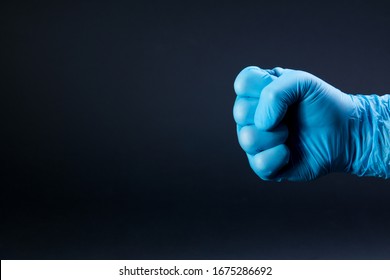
(294, 126)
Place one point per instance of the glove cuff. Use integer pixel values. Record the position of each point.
(370, 136)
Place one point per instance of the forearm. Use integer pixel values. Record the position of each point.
(370, 129)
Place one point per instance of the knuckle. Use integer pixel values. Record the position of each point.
(243, 111)
(238, 111)
(260, 166)
(247, 139)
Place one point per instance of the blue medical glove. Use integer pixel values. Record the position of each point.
(294, 126)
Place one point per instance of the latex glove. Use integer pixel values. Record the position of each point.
(294, 126)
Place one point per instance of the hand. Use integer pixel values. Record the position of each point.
(292, 125)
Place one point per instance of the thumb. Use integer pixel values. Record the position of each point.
(276, 97)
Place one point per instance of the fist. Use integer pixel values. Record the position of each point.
(292, 125)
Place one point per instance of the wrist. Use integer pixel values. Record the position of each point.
(370, 136)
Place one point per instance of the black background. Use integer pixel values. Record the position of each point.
(119, 142)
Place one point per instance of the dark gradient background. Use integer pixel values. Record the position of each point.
(118, 140)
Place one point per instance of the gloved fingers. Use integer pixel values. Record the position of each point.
(278, 96)
(244, 110)
(251, 81)
(252, 140)
(266, 164)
